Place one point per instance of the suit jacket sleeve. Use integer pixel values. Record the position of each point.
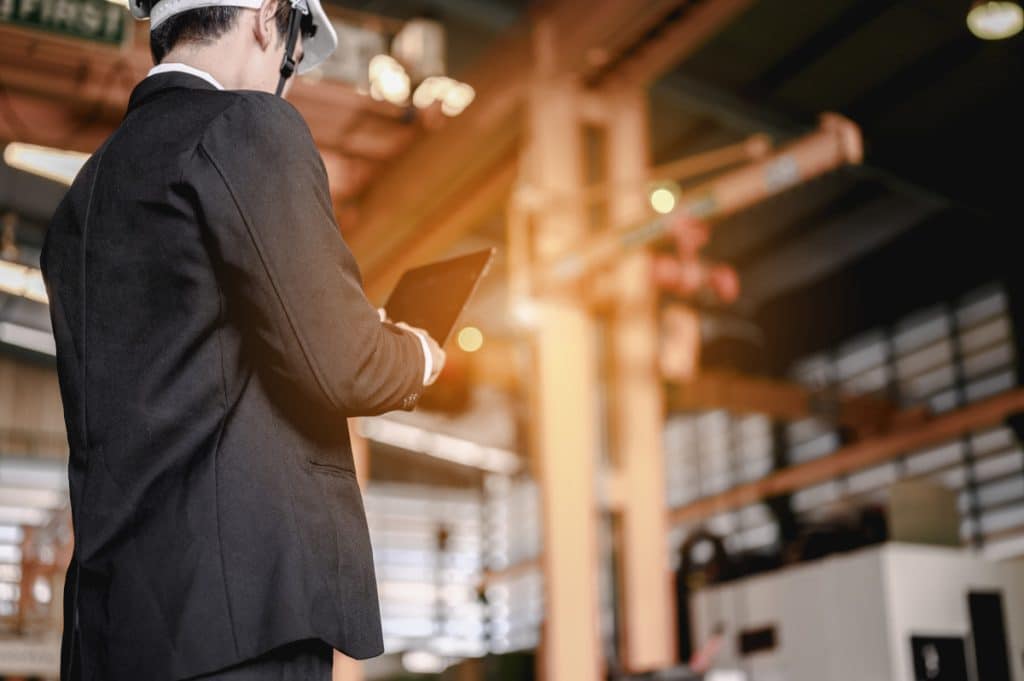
(262, 191)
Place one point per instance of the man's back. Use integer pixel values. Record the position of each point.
(212, 337)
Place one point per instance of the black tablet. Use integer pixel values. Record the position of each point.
(433, 296)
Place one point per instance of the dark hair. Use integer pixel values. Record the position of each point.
(204, 25)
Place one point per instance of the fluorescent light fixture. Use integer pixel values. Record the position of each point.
(23, 516)
(41, 590)
(10, 553)
(24, 281)
(18, 471)
(10, 534)
(28, 338)
(423, 662)
(9, 592)
(438, 445)
(34, 498)
(995, 20)
(59, 165)
(726, 675)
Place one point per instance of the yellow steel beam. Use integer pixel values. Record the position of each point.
(564, 421)
(439, 167)
(836, 143)
(637, 411)
(687, 33)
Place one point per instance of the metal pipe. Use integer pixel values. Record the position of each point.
(837, 142)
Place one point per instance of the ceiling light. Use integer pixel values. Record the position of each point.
(663, 197)
(423, 662)
(19, 515)
(525, 312)
(21, 280)
(10, 534)
(453, 95)
(388, 80)
(420, 47)
(726, 675)
(431, 90)
(10, 553)
(16, 471)
(995, 19)
(439, 445)
(59, 165)
(28, 338)
(458, 97)
(33, 498)
(471, 339)
(41, 590)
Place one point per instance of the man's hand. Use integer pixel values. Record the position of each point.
(437, 355)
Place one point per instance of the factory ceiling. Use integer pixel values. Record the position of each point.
(936, 106)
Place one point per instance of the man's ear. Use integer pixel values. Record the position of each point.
(265, 27)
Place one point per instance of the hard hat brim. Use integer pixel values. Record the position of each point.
(317, 49)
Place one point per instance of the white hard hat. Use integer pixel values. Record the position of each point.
(316, 48)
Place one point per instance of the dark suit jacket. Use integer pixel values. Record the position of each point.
(212, 336)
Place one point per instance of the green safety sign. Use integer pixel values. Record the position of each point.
(96, 20)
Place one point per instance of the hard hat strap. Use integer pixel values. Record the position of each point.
(288, 63)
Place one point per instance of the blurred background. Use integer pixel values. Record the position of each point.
(740, 398)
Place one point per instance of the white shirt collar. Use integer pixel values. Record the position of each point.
(184, 68)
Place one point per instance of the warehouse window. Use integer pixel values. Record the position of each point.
(431, 546)
(427, 546)
(515, 600)
(710, 452)
(942, 358)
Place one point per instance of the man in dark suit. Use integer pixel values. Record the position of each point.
(212, 338)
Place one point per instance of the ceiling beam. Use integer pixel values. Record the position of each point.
(445, 227)
(985, 414)
(438, 168)
(826, 249)
(918, 75)
(593, 34)
(76, 94)
(685, 32)
(841, 27)
(30, 119)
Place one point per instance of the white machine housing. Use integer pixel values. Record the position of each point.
(850, 617)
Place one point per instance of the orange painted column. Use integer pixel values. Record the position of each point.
(647, 617)
(563, 386)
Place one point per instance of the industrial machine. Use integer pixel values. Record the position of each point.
(892, 612)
